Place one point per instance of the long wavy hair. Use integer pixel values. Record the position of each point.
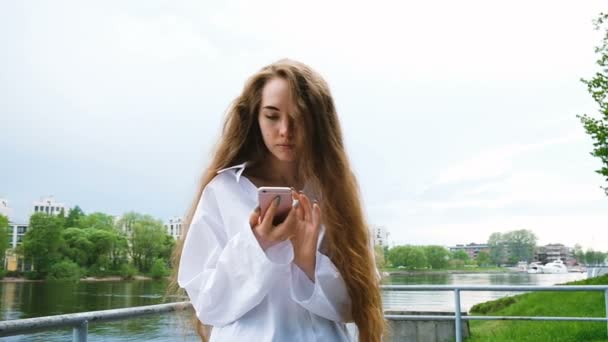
(324, 165)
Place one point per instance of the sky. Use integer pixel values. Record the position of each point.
(459, 117)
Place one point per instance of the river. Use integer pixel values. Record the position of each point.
(26, 300)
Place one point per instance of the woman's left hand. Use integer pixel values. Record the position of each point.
(305, 239)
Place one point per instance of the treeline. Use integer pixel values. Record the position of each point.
(427, 257)
(77, 245)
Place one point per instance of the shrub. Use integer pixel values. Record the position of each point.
(127, 271)
(159, 269)
(65, 270)
(2, 273)
(493, 306)
(32, 275)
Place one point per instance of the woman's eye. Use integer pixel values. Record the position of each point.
(272, 117)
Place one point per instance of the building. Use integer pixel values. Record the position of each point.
(552, 252)
(380, 236)
(48, 205)
(174, 227)
(16, 233)
(5, 209)
(472, 249)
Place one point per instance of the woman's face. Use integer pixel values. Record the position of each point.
(277, 126)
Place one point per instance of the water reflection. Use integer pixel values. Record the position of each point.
(444, 301)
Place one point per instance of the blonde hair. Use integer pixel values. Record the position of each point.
(323, 163)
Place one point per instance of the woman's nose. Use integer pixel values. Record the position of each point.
(286, 127)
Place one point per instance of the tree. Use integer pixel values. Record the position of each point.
(73, 217)
(43, 242)
(460, 255)
(521, 244)
(412, 257)
(379, 256)
(148, 242)
(579, 254)
(4, 238)
(483, 258)
(437, 256)
(597, 86)
(78, 248)
(497, 248)
(96, 221)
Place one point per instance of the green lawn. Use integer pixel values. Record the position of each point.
(582, 304)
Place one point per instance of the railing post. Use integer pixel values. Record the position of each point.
(458, 322)
(80, 332)
(606, 299)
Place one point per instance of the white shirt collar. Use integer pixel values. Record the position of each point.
(238, 170)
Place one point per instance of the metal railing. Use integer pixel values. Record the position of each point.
(458, 318)
(79, 321)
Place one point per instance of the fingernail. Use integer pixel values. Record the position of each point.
(315, 202)
(277, 200)
(301, 192)
(296, 204)
(258, 209)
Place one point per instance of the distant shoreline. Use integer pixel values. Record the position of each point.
(85, 280)
(405, 272)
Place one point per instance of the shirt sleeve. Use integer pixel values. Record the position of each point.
(225, 277)
(327, 296)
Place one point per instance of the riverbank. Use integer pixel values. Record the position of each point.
(581, 304)
(490, 270)
(86, 279)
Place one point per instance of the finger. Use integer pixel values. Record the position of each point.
(307, 207)
(254, 218)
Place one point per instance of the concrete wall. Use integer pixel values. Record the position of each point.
(424, 331)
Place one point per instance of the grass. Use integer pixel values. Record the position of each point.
(565, 304)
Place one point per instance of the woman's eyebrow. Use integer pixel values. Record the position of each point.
(271, 108)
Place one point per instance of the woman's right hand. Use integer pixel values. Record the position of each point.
(265, 232)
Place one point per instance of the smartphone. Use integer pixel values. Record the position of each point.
(267, 194)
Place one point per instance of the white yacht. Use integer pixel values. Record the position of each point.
(556, 266)
(534, 268)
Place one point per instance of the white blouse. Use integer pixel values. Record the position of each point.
(246, 293)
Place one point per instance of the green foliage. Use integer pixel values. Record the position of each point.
(77, 247)
(411, 257)
(460, 255)
(513, 246)
(148, 242)
(4, 238)
(493, 305)
(73, 218)
(98, 221)
(595, 258)
(483, 259)
(127, 271)
(43, 242)
(379, 256)
(2, 274)
(159, 269)
(597, 87)
(65, 270)
(437, 256)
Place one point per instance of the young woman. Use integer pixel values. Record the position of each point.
(304, 278)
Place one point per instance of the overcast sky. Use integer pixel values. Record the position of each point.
(459, 116)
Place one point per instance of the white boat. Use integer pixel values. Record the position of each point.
(556, 266)
(534, 268)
